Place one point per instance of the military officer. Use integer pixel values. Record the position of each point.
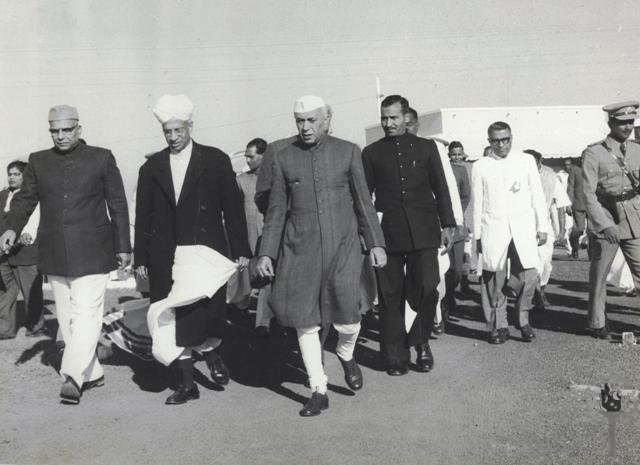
(610, 174)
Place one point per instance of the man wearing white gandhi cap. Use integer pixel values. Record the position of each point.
(183, 193)
(318, 204)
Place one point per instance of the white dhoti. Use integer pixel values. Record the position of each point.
(198, 272)
(443, 266)
(545, 266)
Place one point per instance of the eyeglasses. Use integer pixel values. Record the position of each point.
(63, 131)
(504, 140)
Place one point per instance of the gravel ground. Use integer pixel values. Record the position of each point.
(509, 404)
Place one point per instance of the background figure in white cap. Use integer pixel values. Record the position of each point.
(317, 205)
(84, 234)
(611, 183)
(183, 193)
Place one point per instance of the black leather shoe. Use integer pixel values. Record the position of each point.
(219, 372)
(70, 392)
(527, 333)
(424, 360)
(352, 374)
(438, 329)
(315, 405)
(93, 384)
(397, 370)
(495, 339)
(183, 394)
(262, 332)
(600, 333)
(504, 334)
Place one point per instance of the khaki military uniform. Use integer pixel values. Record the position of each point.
(610, 200)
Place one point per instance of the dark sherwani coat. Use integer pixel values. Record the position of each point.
(209, 192)
(76, 235)
(21, 255)
(411, 191)
(318, 205)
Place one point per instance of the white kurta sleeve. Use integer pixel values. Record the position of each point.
(477, 194)
(560, 195)
(456, 204)
(538, 201)
(32, 225)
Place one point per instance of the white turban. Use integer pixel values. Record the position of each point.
(171, 107)
(308, 103)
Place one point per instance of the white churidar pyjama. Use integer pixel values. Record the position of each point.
(311, 350)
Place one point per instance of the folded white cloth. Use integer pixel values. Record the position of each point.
(198, 272)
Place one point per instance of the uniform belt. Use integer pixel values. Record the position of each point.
(627, 195)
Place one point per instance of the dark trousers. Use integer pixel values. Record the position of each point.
(8, 297)
(30, 282)
(454, 273)
(579, 224)
(418, 287)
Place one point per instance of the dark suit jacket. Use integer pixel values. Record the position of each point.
(575, 189)
(77, 237)
(20, 254)
(209, 191)
(406, 175)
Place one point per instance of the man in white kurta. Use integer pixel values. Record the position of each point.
(510, 222)
(556, 198)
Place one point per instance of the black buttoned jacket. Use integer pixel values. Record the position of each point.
(76, 235)
(406, 176)
(209, 193)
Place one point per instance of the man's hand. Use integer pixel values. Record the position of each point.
(479, 246)
(243, 263)
(265, 267)
(7, 240)
(610, 234)
(446, 239)
(378, 257)
(25, 239)
(568, 210)
(124, 260)
(142, 272)
(541, 237)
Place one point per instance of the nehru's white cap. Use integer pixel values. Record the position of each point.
(308, 103)
(171, 107)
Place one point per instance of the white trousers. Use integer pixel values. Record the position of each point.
(311, 351)
(79, 309)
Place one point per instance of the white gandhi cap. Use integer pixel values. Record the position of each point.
(308, 103)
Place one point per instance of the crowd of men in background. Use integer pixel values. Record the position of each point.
(333, 233)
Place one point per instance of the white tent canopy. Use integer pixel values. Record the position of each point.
(555, 131)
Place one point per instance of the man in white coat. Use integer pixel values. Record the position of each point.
(510, 222)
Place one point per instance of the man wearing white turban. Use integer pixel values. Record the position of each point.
(183, 193)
